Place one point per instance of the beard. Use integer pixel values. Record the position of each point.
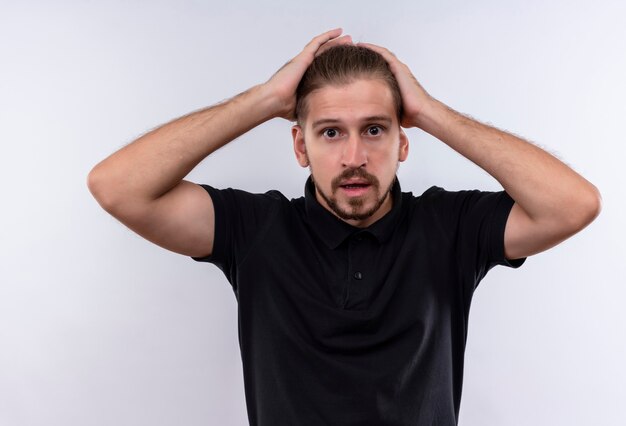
(355, 210)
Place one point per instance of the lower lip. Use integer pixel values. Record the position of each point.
(355, 191)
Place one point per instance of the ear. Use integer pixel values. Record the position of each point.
(404, 146)
(298, 145)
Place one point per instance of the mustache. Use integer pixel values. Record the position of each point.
(354, 172)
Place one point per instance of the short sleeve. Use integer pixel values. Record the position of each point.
(478, 219)
(240, 220)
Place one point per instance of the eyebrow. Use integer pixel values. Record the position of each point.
(380, 118)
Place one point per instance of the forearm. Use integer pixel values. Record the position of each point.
(541, 184)
(157, 161)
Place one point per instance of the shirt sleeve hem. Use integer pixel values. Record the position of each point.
(219, 216)
(501, 219)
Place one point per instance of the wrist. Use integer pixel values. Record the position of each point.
(431, 112)
(263, 101)
(279, 102)
(421, 115)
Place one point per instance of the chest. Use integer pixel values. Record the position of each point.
(362, 273)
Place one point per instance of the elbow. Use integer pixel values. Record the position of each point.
(113, 195)
(597, 202)
(587, 209)
(100, 189)
(593, 205)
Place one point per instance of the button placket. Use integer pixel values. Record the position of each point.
(357, 271)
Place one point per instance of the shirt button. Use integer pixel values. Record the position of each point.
(358, 275)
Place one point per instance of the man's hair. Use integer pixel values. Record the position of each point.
(340, 65)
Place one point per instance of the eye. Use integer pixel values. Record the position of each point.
(330, 133)
(374, 130)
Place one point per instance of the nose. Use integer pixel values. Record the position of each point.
(354, 152)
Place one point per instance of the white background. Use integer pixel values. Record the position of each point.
(99, 327)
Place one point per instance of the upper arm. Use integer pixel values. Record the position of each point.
(524, 236)
(182, 220)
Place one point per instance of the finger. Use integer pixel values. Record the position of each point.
(345, 39)
(315, 44)
(387, 54)
(392, 60)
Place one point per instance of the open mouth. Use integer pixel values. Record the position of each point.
(355, 185)
(355, 189)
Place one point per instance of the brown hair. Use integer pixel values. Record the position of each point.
(341, 65)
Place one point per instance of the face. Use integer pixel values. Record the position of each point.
(352, 142)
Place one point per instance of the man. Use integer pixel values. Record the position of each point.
(353, 300)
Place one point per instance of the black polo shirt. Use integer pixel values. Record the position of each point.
(341, 325)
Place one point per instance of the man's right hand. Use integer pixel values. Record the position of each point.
(283, 84)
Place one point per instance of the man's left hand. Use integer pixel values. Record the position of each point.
(414, 97)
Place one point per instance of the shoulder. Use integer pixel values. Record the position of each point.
(436, 195)
(271, 194)
(242, 197)
(239, 209)
(444, 205)
(431, 194)
(433, 197)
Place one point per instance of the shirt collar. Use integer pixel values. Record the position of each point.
(333, 231)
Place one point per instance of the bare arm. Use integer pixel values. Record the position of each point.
(552, 201)
(142, 184)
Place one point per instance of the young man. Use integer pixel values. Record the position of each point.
(354, 299)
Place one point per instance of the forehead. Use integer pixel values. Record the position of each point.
(352, 102)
